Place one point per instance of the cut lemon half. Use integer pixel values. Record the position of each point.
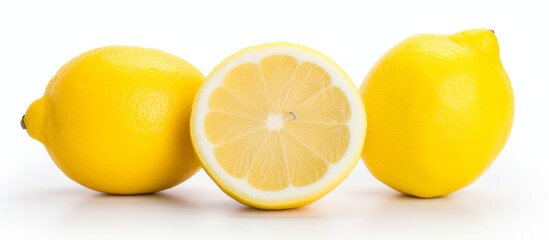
(278, 125)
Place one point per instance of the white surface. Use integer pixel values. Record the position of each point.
(38, 202)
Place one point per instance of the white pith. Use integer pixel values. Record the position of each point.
(274, 122)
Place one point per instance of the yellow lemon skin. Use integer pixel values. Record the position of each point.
(440, 109)
(116, 119)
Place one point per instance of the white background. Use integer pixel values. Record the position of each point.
(38, 202)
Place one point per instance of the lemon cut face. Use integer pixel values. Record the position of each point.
(278, 125)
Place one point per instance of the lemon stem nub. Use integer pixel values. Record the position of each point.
(289, 116)
(23, 125)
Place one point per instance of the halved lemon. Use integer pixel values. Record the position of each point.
(278, 125)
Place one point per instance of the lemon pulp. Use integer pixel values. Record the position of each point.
(292, 123)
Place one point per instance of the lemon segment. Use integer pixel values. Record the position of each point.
(278, 125)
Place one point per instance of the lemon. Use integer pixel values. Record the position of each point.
(278, 125)
(440, 110)
(115, 119)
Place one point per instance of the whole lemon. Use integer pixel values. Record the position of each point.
(440, 109)
(116, 119)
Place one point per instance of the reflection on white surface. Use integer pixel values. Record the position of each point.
(498, 205)
(198, 208)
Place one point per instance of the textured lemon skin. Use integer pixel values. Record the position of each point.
(440, 109)
(116, 119)
(250, 201)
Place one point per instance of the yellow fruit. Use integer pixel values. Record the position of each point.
(115, 119)
(278, 126)
(440, 110)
